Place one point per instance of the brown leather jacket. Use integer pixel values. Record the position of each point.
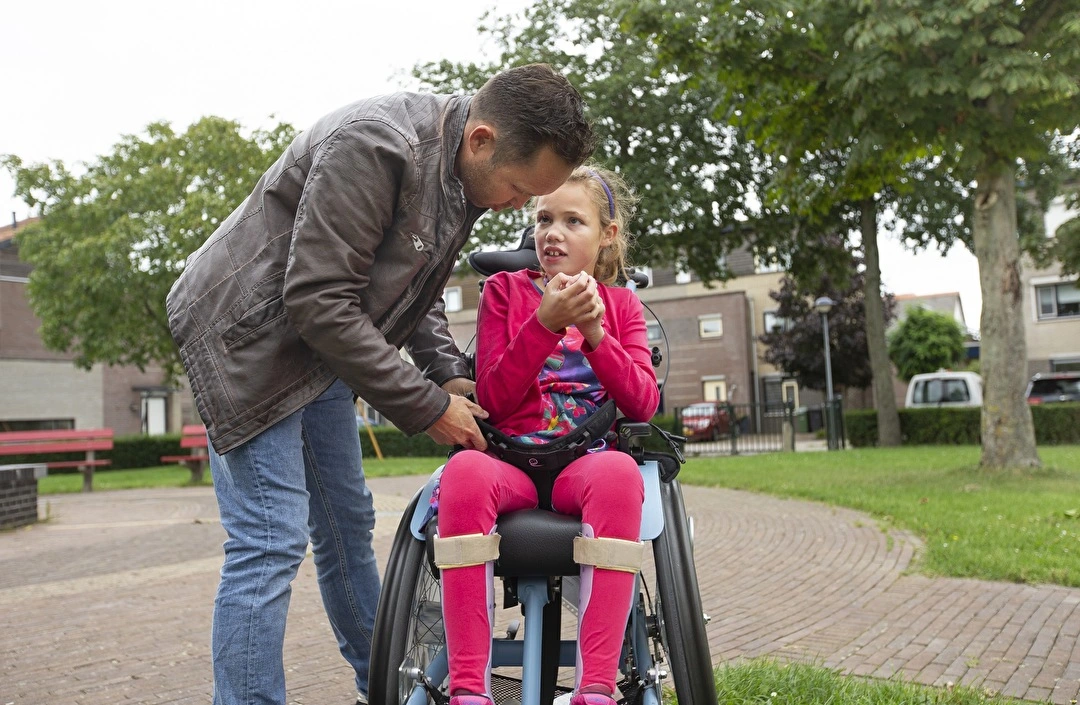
(338, 258)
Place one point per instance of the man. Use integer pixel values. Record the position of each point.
(301, 299)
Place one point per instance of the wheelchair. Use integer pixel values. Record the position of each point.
(665, 653)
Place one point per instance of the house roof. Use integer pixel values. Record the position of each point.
(947, 303)
(7, 232)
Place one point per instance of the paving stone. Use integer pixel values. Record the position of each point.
(110, 601)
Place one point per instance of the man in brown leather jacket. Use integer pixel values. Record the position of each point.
(301, 299)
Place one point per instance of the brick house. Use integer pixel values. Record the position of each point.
(43, 389)
(1051, 304)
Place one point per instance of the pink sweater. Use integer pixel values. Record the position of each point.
(512, 347)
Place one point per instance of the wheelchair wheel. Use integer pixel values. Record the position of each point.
(408, 630)
(678, 609)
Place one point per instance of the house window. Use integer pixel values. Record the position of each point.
(1065, 364)
(775, 323)
(38, 425)
(652, 330)
(452, 298)
(711, 326)
(714, 389)
(1058, 300)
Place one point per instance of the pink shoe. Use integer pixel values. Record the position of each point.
(470, 700)
(591, 699)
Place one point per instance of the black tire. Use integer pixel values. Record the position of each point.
(682, 620)
(408, 624)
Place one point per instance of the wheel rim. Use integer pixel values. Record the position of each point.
(426, 636)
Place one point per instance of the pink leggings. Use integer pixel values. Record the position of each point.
(604, 489)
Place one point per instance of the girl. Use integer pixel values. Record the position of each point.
(553, 346)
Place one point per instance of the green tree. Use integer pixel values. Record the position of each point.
(925, 341)
(691, 171)
(982, 86)
(796, 346)
(112, 240)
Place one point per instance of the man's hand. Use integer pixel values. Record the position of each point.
(457, 425)
(461, 386)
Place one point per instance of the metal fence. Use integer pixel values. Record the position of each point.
(758, 428)
(738, 428)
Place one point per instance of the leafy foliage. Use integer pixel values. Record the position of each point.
(798, 348)
(925, 341)
(111, 241)
(982, 92)
(656, 128)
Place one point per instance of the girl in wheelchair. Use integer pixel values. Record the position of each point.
(553, 347)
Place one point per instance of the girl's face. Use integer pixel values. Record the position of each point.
(568, 235)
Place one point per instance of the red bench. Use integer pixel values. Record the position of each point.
(193, 438)
(85, 441)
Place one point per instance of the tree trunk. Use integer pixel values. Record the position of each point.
(888, 420)
(1008, 435)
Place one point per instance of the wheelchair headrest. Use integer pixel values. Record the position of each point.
(521, 257)
(486, 263)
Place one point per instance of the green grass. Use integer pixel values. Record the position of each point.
(161, 476)
(993, 526)
(178, 476)
(768, 682)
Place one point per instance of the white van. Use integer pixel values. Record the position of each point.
(944, 388)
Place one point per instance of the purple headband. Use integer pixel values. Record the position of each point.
(610, 199)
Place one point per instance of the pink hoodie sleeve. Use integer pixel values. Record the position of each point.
(510, 353)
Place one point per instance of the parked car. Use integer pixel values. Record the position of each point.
(1048, 387)
(944, 388)
(705, 421)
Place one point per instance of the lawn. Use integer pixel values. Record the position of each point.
(764, 681)
(992, 526)
(177, 476)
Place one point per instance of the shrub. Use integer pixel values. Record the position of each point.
(1054, 424)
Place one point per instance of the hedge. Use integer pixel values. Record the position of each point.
(1055, 424)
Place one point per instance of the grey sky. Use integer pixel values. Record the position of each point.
(79, 75)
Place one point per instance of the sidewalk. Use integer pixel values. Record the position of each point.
(110, 602)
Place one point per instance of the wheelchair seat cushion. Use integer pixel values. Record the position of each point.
(536, 542)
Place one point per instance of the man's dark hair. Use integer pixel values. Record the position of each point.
(533, 107)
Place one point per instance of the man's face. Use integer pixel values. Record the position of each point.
(510, 184)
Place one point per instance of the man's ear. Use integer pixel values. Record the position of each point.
(481, 139)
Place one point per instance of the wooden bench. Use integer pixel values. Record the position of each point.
(193, 438)
(85, 441)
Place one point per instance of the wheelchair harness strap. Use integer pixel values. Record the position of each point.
(466, 550)
(613, 554)
(556, 455)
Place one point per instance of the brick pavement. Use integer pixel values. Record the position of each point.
(109, 602)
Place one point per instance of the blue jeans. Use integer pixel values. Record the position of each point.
(301, 478)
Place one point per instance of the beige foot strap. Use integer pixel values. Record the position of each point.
(613, 554)
(463, 551)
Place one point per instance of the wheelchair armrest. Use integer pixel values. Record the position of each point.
(629, 430)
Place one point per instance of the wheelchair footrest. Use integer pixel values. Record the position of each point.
(505, 689)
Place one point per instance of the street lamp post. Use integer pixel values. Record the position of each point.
(823, 305)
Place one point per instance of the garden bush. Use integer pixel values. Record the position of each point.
(1055, 424)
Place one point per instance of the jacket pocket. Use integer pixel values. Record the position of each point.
(263, 314)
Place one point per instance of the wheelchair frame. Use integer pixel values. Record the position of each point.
(665, 635)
